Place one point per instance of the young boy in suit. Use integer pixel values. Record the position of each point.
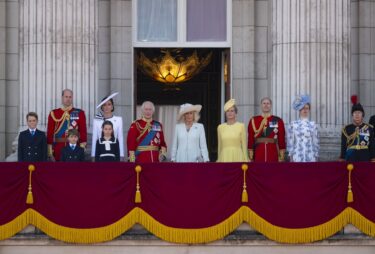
(72, 152)
(32, 143)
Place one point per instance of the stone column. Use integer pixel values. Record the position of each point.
(121, 60)
(10, 115)
(58, 49)
(243, 57)
(364, 30)
(311, 55)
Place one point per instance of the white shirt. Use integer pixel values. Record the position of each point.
(189, 146)
(117, 128)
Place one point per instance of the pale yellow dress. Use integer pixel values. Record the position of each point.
(232, 145)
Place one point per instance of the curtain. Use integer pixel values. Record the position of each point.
(157, 20)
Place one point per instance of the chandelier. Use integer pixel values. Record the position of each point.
(172, 67)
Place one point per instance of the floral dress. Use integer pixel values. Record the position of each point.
(302, 141)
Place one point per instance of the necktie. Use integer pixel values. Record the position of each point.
(32, 132)
(72, 146)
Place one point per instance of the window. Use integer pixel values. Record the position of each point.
(206, 20)
(182, 23)
(157, 20)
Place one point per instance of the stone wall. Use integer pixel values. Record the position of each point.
(138, 240)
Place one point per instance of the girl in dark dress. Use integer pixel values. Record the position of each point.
(107, 147)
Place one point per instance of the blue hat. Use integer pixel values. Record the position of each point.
(300, 102)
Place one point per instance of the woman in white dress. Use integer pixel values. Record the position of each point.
(189, 142)
(302, 134)
(107, 108)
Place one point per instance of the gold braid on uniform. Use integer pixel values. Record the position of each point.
(65, 116)
(350, 138)
(142, 130)
(262, 124)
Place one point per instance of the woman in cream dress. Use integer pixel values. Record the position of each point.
(189, 142)
(232, 145)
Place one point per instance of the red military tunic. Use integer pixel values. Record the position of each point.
(59, 122)
(146, 141)
(266, 139)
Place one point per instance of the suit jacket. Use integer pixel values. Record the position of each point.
(67, 154)
(32, 147)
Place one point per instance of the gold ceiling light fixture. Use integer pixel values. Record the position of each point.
(172, 66)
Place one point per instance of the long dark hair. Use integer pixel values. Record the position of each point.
(106, 122)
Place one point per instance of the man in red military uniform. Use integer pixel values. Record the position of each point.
(61, 120)
(145, 137)
(266, 135)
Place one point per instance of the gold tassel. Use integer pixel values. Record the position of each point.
(245, 197)
(138, 198)
(30, 198)
(350, 197)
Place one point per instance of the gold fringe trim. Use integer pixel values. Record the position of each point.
(191, 236)
(14, 226)
(188, 236)
(66, 234)
(91, 235)
(362, 223)
(300, 235)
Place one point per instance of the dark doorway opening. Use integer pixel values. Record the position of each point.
(205, 88)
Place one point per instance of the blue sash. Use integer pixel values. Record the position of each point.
(149, 137)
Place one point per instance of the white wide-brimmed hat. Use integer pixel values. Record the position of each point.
(187, 107)
(106, 99)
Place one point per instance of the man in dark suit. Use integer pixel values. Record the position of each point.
(32, 143)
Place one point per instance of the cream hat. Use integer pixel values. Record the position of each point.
(229, 104)
(187, 107)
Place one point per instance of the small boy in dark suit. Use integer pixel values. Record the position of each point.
(32, 143)
(73, 152)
